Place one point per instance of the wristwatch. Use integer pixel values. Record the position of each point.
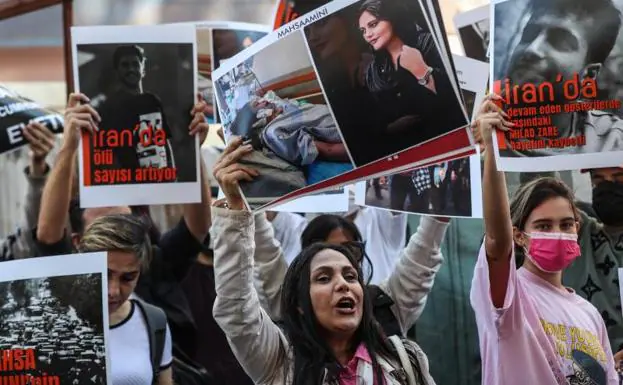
(426, 78)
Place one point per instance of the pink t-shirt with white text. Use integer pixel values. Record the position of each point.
(534, 335)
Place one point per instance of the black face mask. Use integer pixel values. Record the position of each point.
(608, 202)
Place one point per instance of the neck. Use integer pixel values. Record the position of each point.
(553, 278)
(120, 314)
(394, 48)
(342, 350)
(132, 90)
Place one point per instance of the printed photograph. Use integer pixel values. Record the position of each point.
(274, 101)
(443, 189)
(473, 30)
(55, 325)
(228, 43)
(16, 112)
(553, 63)
(385, 77)
(144, 95)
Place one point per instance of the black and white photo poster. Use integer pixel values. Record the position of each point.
(556, 65)
(54, 320)
(16, 112)
(473, 28)
(142, 80)
(451, 188)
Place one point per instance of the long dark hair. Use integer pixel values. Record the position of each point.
(381, 74)
(319, 228)
(312, 356)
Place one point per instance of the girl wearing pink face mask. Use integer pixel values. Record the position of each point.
(532, 329)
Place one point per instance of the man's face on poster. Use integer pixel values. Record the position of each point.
(131, 70)
(550, 45)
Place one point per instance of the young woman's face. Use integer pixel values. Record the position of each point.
(378, 33)
(124, 268)
(555, 215)
(336, 295)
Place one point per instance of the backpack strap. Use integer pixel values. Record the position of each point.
(404, 358)
(156, 321)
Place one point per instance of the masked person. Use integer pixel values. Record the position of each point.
(532, 329)
(595, 275)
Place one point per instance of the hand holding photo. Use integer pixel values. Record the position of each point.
(20, 119)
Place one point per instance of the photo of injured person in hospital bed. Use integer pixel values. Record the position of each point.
(274, 101)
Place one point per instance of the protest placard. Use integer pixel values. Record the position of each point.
(368, 117)
(55, 320)
(473, 29)
(218, 41)
(555, 63)
(141, 81)
(16, 112)
(451, 188)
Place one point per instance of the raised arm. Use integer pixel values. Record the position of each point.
(496, 208)
(197, 215)
(270, 266)
(258, 344)
(56, 196)
(412, 279)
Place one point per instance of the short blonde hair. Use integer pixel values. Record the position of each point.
(118, 232)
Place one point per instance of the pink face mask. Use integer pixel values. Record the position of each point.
(553, 252)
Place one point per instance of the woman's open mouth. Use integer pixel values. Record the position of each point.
(346, 306)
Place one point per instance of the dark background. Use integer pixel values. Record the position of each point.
(472, 44)
(169, 74)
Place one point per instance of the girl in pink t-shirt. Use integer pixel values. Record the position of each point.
(532, 329)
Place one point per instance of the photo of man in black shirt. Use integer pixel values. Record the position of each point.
(142, 93)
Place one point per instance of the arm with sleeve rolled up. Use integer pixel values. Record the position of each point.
(270, 266)
(258, 344)
(412, 279)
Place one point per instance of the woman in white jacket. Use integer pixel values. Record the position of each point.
(329, 335)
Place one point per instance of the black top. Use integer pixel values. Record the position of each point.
(123, 111)
(159, 285)
(398, 94)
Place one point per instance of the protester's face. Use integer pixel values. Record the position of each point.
(555, 215)
(327, 36)
(550, 45)
(376, 32)
(335, 292)
(131, 70)
(611, 174)
(123, 271)
(339, 236)
(226, 43)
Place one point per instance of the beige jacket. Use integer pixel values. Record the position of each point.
(408, 285)
(257, 342)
